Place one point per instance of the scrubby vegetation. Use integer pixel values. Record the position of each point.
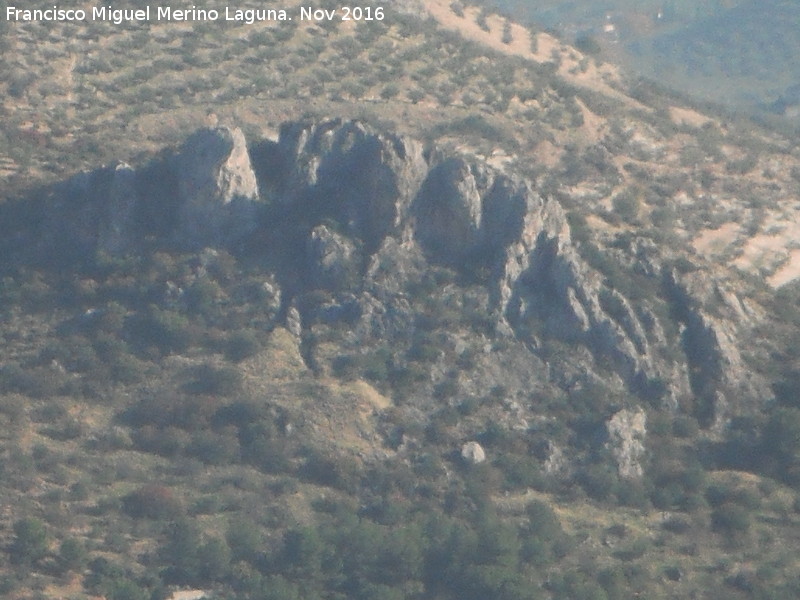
(160, 426)
(180, 464)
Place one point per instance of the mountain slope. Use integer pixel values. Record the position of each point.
(369, 306)
(522, 329)
(742, 57)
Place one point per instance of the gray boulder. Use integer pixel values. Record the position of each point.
(473, 453)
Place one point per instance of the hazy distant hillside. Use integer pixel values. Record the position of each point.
(744, 56)
(554, 13)
(737, 53)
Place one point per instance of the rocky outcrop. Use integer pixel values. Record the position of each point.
(118, 227)
(204, 195)
(473, 453)
(217, 187)
(332, 258)
(90, 211)
(713, 319)
(449, 201)
(362, 215)
(627, 430)
(346, 171)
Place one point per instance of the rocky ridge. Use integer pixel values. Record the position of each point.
(364, 215)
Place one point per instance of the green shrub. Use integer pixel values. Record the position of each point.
(390, 91)
(180, 553)
(212, 380)
(213, 448)
(731, 518)
(214, 560)
(627, 205)
(781, 442)
(262, 447)
(152, 502)
(588, 45)
(508, 37)
(30, 542)
(599, 481)
(543, 522)
(72, 555)
(242, 345)
(166, 330)
(481, 21)
(340, 472)
(125, 589)
(244, 540)
(685, 426)
(521, 471)
(577, 586)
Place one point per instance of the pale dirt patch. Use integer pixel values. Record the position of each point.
(337, 415)
(787, 272)
(188, 595)
(683, 199)
(547, 154)
(71, 588)
(594, 127)
(762, 253)
(774, 252)
(687, 116)
(599, 224)
(468, 26)
(499, 160)
(346, 415)
(713, 242)
(364, 391)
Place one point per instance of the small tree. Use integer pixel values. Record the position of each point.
(481, 21)
(152, 502)
(72, 555)
(180, 552)
(588, 45)
(125, 589)
(731, 519)
(508, 36)
(30, 542)
(627, 205)
(214, 558)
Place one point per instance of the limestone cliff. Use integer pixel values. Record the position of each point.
(368, 218)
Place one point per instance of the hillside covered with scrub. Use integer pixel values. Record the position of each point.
(432, 307)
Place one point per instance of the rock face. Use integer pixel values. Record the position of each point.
(449, 201)
(217, 187)
(204, 195)
(720, 380)
(346, 171)
(332, 258)
(369, 220)
(627, 430)
(117, 228)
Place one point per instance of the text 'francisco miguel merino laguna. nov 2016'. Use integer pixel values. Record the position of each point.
(193, 14)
